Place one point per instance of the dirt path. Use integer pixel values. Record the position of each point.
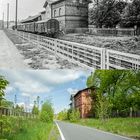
(9, 56)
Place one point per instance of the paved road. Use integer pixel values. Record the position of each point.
(9, 55)
(77, 132)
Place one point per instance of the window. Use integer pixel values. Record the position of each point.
(60, 11)
(54, 13)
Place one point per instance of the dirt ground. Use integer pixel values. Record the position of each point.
(39, 58)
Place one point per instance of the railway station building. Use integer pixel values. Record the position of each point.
(83, 102)
(71, 14)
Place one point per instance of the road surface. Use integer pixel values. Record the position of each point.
(70, 131)
(9, 56)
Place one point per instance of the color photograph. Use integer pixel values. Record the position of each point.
(70, 105)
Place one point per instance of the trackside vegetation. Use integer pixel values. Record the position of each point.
(35, 125)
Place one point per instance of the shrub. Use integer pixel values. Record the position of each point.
(47, 112)
(74, 115)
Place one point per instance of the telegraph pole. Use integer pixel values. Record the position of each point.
(16, 14)
(7, 15)
(3, 20)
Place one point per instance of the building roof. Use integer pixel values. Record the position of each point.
(43, 12)
(48, 2)
(30, 18)
(55, 1)
(83, 90)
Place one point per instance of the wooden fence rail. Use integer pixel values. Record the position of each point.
(87, 56)
(4, 111)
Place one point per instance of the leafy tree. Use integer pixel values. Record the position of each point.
(3, 85)
(63, 115)
(35, 110)
(47, 112)
(19, 108)
(106, 13)
(116, 91)
(74, 115)
(131, 15)
(8, 104)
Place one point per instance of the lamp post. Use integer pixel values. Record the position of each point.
(16, 14)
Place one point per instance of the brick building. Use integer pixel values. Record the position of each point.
(71, 14)
(83, 102)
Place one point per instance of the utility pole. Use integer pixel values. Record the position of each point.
(7, 15)
(16, 14)
(3, 20)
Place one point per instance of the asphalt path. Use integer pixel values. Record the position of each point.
(9, 55)
(70, 131)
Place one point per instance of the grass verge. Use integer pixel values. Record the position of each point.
(129, 127)
(25, 129)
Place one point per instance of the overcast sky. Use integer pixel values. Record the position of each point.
(26, 8)
(56, 85)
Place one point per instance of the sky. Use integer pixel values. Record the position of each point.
(55, 85)
(26, 8)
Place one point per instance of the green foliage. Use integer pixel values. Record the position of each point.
(6, 103)
(16, 128)
(47, 113)
(35, 110)
(74, 115)
(117, 92)
(131, 15)
(63, 115)
(106, 13)
(19, 108)
(3, 85)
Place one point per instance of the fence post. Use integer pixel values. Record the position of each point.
(55, 47)
(103, 58)
(107, 59)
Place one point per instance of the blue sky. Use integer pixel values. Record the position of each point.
(56, 85)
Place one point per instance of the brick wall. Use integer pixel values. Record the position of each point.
(83, 102)
(70, 14)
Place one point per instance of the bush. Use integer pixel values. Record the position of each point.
(63, 115)
(74, 115)
(47, 112)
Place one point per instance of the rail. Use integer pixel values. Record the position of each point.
(84, 55)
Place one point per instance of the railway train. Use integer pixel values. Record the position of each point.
(48, 28)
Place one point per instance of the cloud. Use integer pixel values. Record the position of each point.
(31, 87)
(25, 94)
(72, 91)
(9, 89)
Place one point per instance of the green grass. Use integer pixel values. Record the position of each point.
(123, 126)
(29, 130)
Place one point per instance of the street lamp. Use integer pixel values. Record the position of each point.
(16, 14)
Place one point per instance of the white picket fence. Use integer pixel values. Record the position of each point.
(84, 55)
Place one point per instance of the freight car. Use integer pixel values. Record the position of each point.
(48, 28)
